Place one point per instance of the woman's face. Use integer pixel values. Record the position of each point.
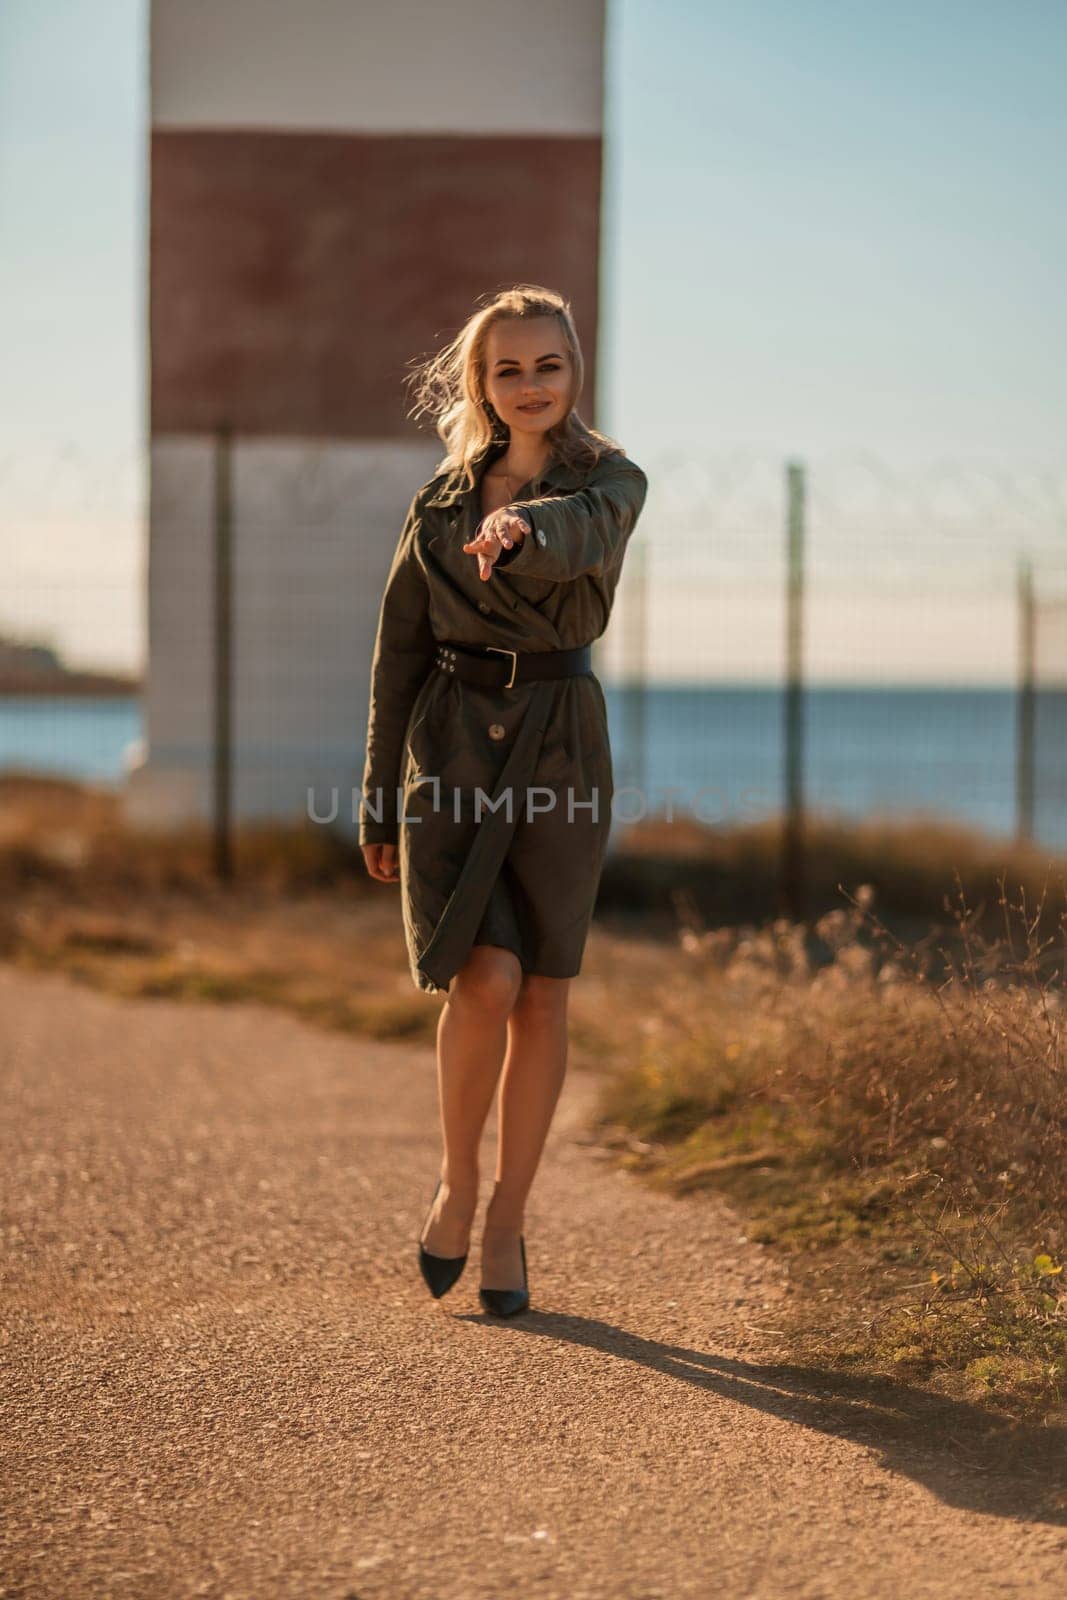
(528, 372)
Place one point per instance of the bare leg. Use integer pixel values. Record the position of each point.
(471, 1038)
(534, 1070)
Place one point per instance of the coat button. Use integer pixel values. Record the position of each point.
(539, 534)
(497, 730)
(483, 607)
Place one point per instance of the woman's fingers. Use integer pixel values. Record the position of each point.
(510, 523)
(488, 542)
(506, 525)
(486, 547)
(499, 528)
(380, 861)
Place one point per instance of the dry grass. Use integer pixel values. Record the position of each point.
(140, 914)
(302, 926)
(902, 1137)
(685, 872)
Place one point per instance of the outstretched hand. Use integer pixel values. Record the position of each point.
(498, 531)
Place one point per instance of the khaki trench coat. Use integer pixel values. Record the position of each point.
(499, 799)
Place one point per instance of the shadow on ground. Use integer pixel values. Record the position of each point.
(959, 1452)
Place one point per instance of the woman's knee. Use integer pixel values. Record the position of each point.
(543, 996)
(490, 978)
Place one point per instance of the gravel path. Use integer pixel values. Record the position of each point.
(223, 1375)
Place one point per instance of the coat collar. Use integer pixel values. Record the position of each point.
(558, 474)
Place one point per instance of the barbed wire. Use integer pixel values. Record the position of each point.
(319, 476)
(948, 525)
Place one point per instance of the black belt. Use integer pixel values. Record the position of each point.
(496, 668)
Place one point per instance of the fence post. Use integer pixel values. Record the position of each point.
(1024, 744)
(792, 885)
(635, 663)
(222, 793)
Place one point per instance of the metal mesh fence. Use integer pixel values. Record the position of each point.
(896, 613)
(903, 640)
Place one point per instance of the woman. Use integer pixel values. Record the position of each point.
(488, 780)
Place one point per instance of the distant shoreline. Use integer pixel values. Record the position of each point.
(58, 686)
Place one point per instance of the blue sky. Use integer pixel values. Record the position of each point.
(828, 228)
(842, 224)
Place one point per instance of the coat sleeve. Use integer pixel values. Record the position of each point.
(580, 534)
(403, 653)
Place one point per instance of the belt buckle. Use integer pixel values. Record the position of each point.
(514, 654)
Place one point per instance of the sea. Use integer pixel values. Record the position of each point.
(717, 753)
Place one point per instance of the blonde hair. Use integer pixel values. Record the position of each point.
(450, 387)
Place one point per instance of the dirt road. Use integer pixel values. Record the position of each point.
(223, 1375)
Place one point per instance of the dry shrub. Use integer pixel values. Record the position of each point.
(885, 1113)
(965, 1076)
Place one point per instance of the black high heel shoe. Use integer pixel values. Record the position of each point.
(440, 1272)
(508, 1302)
